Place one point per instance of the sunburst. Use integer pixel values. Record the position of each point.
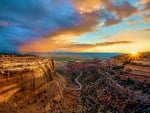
(134, 55)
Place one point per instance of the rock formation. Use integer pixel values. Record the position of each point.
(22, 75)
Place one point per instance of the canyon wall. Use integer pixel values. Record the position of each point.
(25, 79)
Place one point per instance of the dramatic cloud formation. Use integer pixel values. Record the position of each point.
(51, 25)
(66, 46)
(32, 19)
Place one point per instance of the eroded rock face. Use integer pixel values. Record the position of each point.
(24, 74)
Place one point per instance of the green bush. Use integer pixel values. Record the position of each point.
(116, 68)
(127, 82)
(126, 62)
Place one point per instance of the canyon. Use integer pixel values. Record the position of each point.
(33, 84)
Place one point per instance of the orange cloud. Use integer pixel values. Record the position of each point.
(87, 6)
(146, 18)
(145, 1)
(86, 47)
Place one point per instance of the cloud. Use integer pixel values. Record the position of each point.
(123, 10)
(84, 47)
(132, 22)
(120, 12)
(4, 23)
(148, 29)
(61, 43)
(146, 5)
(114, 43)
(145, 1)
(47, 23)
(30, 20)
(107, 10)
(90, 15)
(140, 41)
(146, 18)
(86, 6)
(88, 47)
(100, 44)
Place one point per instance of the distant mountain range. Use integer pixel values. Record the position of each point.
(87, 54)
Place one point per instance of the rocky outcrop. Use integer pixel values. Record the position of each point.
(25, 78)
(38, 76)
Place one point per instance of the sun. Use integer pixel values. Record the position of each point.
(134, 53)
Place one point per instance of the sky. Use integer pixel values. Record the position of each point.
(74, 25)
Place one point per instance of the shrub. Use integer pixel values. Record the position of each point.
(116, 68)
(126, 62)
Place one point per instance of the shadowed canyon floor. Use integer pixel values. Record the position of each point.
(31, 84)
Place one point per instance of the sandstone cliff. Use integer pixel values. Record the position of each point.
(25, 76)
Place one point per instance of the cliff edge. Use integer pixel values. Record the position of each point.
(23, 74)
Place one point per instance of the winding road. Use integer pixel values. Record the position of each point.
(69, 88)
(77, 82)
